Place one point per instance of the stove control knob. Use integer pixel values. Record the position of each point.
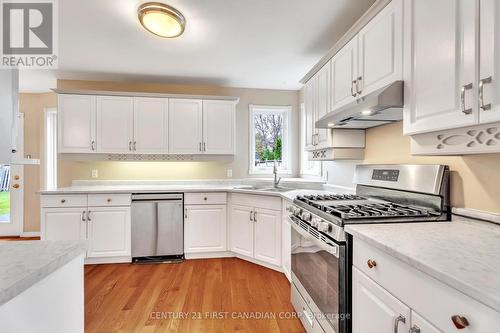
(315, 222)
(296, 211)
(306, 216)
(324, 227)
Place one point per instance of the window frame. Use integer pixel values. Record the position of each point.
(50, 148)
(286, 152)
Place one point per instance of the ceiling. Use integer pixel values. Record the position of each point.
(253, 44)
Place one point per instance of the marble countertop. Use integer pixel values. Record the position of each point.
(24, 263)
(464, 253)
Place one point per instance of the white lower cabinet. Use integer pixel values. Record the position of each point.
(256, 232)
(286, 242)
(109, 232)
(204, 228)
(63, 224)
(420, 325)
(374, 310)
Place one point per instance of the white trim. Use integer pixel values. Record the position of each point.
(48, 165)
(477, 214)
(286, 142)
(108, 260)
(30, 234)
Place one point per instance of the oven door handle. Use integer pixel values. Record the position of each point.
(333, 249)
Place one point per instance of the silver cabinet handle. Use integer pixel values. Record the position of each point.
(130, 145)
(88, 216)
(135, 145)
(204, 146)
(399, 319)
(414, 329)
(358, 85)
(185, 213)
(83, 216)
(251, 219)
(255, 216)
(353, 88)
(92, 145)
(481, 94)
(462, 98)
(200, 147)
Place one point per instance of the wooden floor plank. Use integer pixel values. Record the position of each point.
(215, 295)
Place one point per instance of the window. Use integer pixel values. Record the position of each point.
(269, 139)
(307, 168)
(50, 148)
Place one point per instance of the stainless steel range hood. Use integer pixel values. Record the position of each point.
(380, 107)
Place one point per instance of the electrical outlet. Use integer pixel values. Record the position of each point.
(95, 173)
(229, 173)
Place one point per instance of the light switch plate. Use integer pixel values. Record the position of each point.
(95, 173)
(229, 173)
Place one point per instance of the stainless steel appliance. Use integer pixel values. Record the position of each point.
(157, 227)
(321, 250)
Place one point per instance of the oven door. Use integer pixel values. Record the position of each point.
(318, 269)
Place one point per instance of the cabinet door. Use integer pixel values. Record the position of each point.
(218, 127)
(286, 245)
(185, 121)
(241, 230)
(489, 65)
(310, 101)
(204, 228)
(76, 123)
(420, 325)
(115, 119)
(439, 63)
(109, 232)
(324, 91)
(150, 125)
(374, 310)
(267, 242)
(381, 49)
(63, 224)
(344, 72)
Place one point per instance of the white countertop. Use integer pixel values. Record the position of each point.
(24, 263)
(464, 253)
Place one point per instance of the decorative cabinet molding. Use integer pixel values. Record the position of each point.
(468, 140)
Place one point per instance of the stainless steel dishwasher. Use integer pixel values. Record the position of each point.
(157, 227)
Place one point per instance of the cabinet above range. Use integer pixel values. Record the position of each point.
(94, 122)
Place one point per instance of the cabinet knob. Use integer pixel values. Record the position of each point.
(460, 322)
(63, 200)
(16, 177)
(109, 200)
(205, 198)
(371, 263)
(15, 186)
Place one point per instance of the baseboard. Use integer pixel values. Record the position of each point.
(209, 255)
(30, 234)
(260, 263)
(107, 260)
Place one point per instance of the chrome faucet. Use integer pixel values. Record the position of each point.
(275, 172)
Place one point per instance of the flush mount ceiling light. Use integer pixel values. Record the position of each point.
(161, 20)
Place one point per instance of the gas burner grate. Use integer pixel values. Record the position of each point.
(374, 210)
(328, 197)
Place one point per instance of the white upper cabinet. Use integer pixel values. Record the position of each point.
(77, 120)
(344, 75)
(381, 49)
(185, 126)
(489, 64)
(115, 124)
(218, 127)
(439, 66)
(310, 102)
(150, 125)
(323, 78)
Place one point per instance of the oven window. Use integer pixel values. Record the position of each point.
(318, 272)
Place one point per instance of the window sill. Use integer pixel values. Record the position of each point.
(269, 172)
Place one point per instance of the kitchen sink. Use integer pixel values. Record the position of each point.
(265, 188)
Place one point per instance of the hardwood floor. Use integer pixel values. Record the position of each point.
(15, 239)
(205, 295)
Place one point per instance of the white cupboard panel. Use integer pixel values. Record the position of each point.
(310, 102)
(420, 325)
(115, 129)
(76, 123)
(344, 72)
(241, 230)
(205, 228)
(150, 125)
(63, 224)
(218, 127)
(439, 52)
(109, 232)
(374, 310)
(185, 126)
(489, 64)
(267, 246)
(323, 99)
(381, 49)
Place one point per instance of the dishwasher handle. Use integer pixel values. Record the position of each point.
(157, 196)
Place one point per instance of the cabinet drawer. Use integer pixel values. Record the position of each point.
(66, 200)
(205, 198)
(257, 201)
(102, 200)
(431, 298)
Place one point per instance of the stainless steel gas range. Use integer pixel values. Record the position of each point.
(321, 250)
